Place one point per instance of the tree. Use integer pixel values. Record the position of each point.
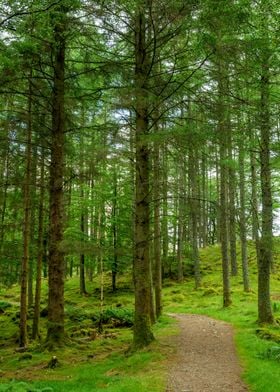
(55, 334)
(142, 272)
(265, 243)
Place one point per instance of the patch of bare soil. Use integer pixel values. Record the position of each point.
(206, 359)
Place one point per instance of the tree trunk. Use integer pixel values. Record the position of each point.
(32, 222)
(55, 334)
(164, 219)
(4, 180)
(218, 192)
(35, 326)
(157, 233)
(194, 206)
(243, 231)
(204, 205)
(222, 134)
(26, 227)
(254, 193)
(266, 240)
(231, 204)
(142, 276)
(115, 233)
(181, 212)
(82, 255)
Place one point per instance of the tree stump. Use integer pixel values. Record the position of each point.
(53, 363)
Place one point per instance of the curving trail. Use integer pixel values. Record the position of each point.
(206, 358)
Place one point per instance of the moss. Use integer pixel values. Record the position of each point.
(210, 291)
(143, 335)
(265, 333)
(179, 298)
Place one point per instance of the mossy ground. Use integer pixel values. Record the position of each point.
(101, 362)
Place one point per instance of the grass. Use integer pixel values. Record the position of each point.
(86, 364)
(102, 363)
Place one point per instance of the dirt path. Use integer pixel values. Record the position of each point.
(206, 359)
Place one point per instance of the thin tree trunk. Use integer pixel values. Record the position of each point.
(35, 326)
(218, 191)
(157, 233)
(193, 173)
(181, 213)
(266, 241)
(243, 231)
(26, 228)
(204, 211)
(222, 132)
(164, 219)
(32, 224)
(115, 233)
(254, 193)
(5, 173)
(83, 290)
(231, 205)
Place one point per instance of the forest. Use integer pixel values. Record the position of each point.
(139, 179)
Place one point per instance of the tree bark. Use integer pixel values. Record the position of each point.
(243, 231)
(181, 213)
(157, 233)
(254, 193)
(164, 219)
(26, 227)
(222, 135)
(55, 334)
(115, 233)
(35, 325)
(194, 211)
(266, 241)
(231, 204)
(142, 335)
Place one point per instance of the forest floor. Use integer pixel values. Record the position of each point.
(206, 360)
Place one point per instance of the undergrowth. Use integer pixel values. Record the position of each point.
(97, 361)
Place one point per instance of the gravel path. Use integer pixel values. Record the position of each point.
(205, 360)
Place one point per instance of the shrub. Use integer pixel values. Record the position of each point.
(4, 305)
(118, 317)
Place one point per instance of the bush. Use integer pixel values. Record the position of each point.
(118, 317)
(4, 305)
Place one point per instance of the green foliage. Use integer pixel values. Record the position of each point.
(272, 353)
(5, 305)
(267, 334)
(23, 387)
(119, 317)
